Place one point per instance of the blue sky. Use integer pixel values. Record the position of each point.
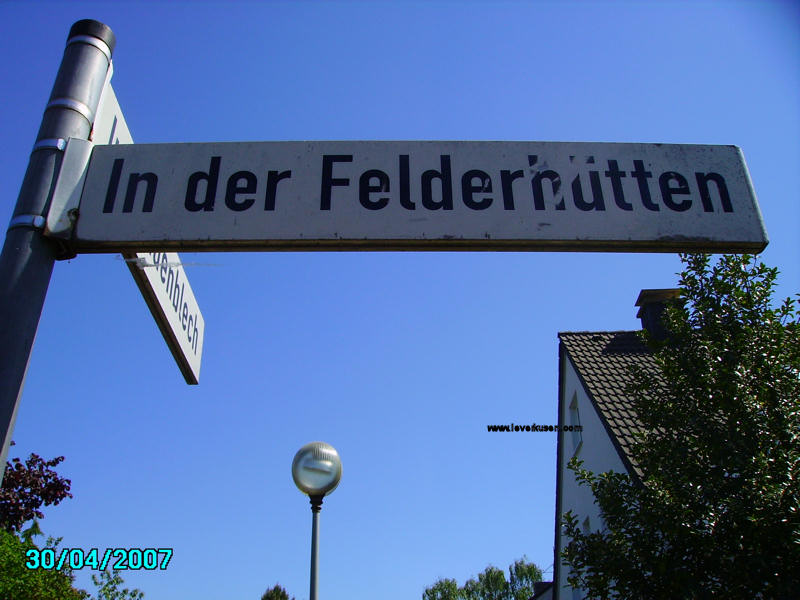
(399, 360)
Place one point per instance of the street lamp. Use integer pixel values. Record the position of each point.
(316, 470)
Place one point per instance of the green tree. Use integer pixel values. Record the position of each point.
(444, 589)
(717, 510)
(522, 577)
(276, 593)
(18, 582)
(108, 585)
(491, 584)
(26, 487)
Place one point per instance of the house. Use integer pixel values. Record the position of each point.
(593, 369)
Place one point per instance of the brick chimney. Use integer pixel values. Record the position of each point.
(652, 304)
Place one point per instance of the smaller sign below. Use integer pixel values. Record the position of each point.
(166, 290)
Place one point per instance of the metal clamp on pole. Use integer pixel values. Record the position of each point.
(92, 41)
(66, 195)
(50, 144)
(31, 221)
(72, 104)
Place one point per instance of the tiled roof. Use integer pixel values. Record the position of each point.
(602, 360)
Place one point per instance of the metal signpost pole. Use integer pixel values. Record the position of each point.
(27, 259)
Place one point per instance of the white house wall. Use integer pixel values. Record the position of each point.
(597, 452)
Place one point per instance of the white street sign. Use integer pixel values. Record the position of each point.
(416, 195)
(159, 275)
(109, 124)
(165, 288)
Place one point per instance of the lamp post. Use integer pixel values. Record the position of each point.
(316, 470)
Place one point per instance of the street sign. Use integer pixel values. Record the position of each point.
(166, 290)
(109, 125)
(414, 195)
(159, 275)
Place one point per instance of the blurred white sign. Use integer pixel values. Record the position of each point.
(159, 275)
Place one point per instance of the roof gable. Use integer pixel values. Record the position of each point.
(602, 360)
